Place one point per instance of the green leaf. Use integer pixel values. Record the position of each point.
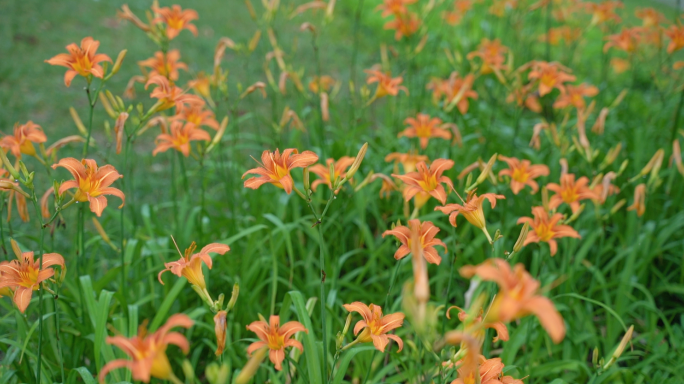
(163, 310)
(346, 359)
(310, 349)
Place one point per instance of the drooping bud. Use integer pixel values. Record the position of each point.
(220, 330)
(620, 348)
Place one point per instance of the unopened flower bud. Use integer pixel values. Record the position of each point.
(654, 163)
(520, 243)
(117, 63)
(594, 356)
(620, 348)
(219, 134)
(233, 297)
(220, 330)
(188, 370)
(545, 198)
(250, 369)
(357, 162)
(307, 180)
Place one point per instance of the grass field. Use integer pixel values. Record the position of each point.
(594, 295)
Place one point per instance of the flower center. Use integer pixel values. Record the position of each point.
(544, 231)
(569, 195)
(520, 174)
(275, 341)
(82, 65)
(175, 22)
(29, 277)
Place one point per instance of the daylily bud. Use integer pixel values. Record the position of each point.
(329, 10)
(655, 162)
(325, 113)
(233, 297)
(218, 375)
(119, 130)
(218, 135)
(100, 230)
(78, 122)
(357, 162)
(258, 85)
(252, 13)
(105, 104)
(4, 184)
(611, 156)
(188, 371)
(617, 206)
(484, 174)
(307, 181)
(15, 248)
(575, 214)
(620, 348)
(117, 63)
(623, 167)
(594, 357)
(677, 156)
(519, 244)
(421, 44)
(250, 369)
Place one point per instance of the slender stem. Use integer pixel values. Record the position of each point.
(370, 367)
(59, 341)
(181, 160)
(323, 325)
(2, 228)
(202, 192)
(678, 111)
(451, 277)
(124, 286)
(40, 298)
(394, 278)
(321, 127)
(548, 28)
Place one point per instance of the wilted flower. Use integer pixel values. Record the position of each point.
(13, 192)
(179, 138)
(22, 140)
(24, 275)
(525, 96)
(190, 264)
(220, 330)
(426, 182)
(176, 20)
(323, 171)
(427, 232)
(126, 14)
(81, 60)
(166, 65)
(639, 204)
(517, 297)
(148, 351)
(376, 326)
(326, 82)
(424, 128)
(275, 168)
(388, 184)
(276, 338)
(547, 229)
(92, 183)
(523, 173)
(570, 192)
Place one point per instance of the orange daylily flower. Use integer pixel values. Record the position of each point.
(407, 160)
(196, 114)
(517, 297)
(427, 181)
(568, 34)
(190, 264)
(25, 275)
(461, 7)
(424, 128)
(574, 95)
(404, 25)
(490, 371)
(376, 326)
(550, 76)
(275, 168)
(202, 85)
(455, 89)
(386, 84)
(570, 192)
(676, 35)
(619, 65)
(394, 7)
(604, 188)
(627, 40)
(525, 96)
(639, 204)
(388, 184)
(499, 7)
(92, 183)
(523, 173)
(471, 210)
(276, 338)
(649, 17)
(499, 327)
(164, 65)
(604, 11)
(148, 351)
(427, 232)
(545, 228)
(22, 140)
(81, 60)
(176, 20)
(492, 54)
(170, 95)
(326, 82)
(323, 171)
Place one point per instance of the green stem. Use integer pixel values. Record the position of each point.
(124, 286)
(370, 367)
(92, 101)
(678, 111)
(2, 228)
(59, 341)
(394, 278)
(40, 299)
(323, 325)
(321, 127)
(181, 160)
(202, 192)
